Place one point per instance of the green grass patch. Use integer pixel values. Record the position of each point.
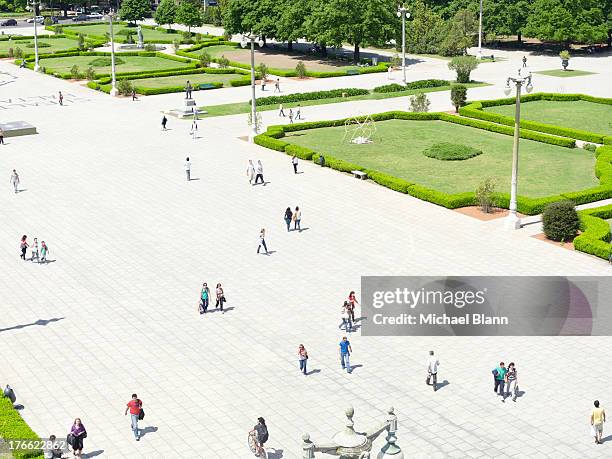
(131, 64)
(244, 107)
(445, 151)
(564, 73)
(180, 80)
(397, 150)
(121, 31)
(45, 46)
(578, 114)
(105, 61)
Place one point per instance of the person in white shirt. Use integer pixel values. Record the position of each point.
(432, 370)
(194, 129)
(259, 174)
(250, 171)
(188, 169)
(294, 161)
(15, 181)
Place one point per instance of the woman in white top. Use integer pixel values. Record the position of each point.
(297, 218)
(250, 172)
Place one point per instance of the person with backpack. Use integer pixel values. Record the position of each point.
(76, 435)
(134, 406)
(499, 376)
(261, 433)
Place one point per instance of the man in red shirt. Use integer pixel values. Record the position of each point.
(134, 406)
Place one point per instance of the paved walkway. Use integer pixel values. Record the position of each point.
(132, 241)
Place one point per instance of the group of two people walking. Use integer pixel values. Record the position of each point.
(255, 173)
(295, 217)
(205, 298)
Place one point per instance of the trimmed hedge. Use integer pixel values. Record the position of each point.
(595, 236)
(445, 151)
(272, 139)
(12, 426)
(420, 84)
(316, 95)
(475, 110)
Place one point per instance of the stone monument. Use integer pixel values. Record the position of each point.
(140, 38)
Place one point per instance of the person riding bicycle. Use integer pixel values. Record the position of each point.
(261, 433)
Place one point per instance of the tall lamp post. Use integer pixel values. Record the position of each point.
(244, 42)
(513, 221)
(403, 13)
(480, 33)
(113, 91)
(36, 66)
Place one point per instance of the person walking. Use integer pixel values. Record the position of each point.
(345, 354)
(524, 61)
(1, 137)
(61, 98)
(35, 251)
(134, 406)
(259, 174)
(277, 85)
(432, 370)
(263, 84)
(134, 95)
(194, 129)
(294, 162)
(352, 299)
(347, 310)
(164, 122)
(262, 241)
(188, 169)
(188, 89)
(598, 417)
(15, 181)
(220, 297)
(298, 112)
(250, 172)
(44, 250)
(389, 71)
(499, 375)
(204, 298)
(23, 245)
(290, 116)
(511, 382)
(302, 358)
(346, 319)
(77, 434)
(288, 218)
(281, 111)
(297, 219)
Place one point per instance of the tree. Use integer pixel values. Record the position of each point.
(458, 96)
(419, 102)
(424, 31)
(252, 16)
(189, 13)
(166, 13)
(461, 33)
(290, 26)
(560, 221)
(463, 65)
(134, 10)
(567, 21)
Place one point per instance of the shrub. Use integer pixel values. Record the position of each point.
(125, 87)
(396, 60)
(419, 102)
(177, 45)
(565, 55)
(48, 22)
(186, 35)
(445, 151)
(262, 69)
(463, 65)
(105, 61)
(149, 47)
(316, 95)
(14, 427)
(90, 74)
(485, 195)
(560, 220)
(419, 84)
(41, 44)
(589, 147)
(18, 52)
(300, 70)
(204, 59)
(223, 62)
(81, 41)
(59, 29)
(458, 96)
(10, 52)
(74, 72)
(198, 37)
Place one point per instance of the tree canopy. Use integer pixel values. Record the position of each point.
(166, 13)
(189, 13)
(134, 10)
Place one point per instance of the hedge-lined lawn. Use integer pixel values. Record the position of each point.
(277, 59)
(120, 32)
(180, 80)
(565, 73)
(131, 64)
(397, 150)
(55, 44)
(577, 114)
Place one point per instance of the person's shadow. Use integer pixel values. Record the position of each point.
(442, 384)
(148, 430)
(312, 372)
(93, 453)
(353, 368)
(275, 454)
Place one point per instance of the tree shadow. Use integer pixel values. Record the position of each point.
(41, 322)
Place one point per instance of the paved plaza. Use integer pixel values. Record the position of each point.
(131, 241)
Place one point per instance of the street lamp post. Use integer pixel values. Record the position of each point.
(254, 128)
(403, 13)
(113, 91)
(513, 221)
(36, 66)
(480, 33)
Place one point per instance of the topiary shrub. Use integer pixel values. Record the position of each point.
(458, 96)
(445, 151)
(18, 52)
(560, 221)
(300, 70)
(105, 61)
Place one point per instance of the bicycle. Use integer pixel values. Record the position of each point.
(258, 451)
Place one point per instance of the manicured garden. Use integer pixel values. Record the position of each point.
(45, 46)
(565, 73)
(399, 145)
(179, 80)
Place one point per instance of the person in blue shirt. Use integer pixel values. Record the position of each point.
(499, 375)
(345, 352)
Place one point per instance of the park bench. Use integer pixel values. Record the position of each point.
(360, 175)
(207, 86)
(352, 72)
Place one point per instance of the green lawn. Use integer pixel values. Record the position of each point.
(131, 64)
(565, 73)
(57, 44)
(180, 80)
(244, 107)
(398, 145)
(578, 114)
(101, 29)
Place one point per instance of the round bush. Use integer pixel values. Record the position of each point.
(560, 220)
(445, 151)
(40, 45)
(105, 61)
